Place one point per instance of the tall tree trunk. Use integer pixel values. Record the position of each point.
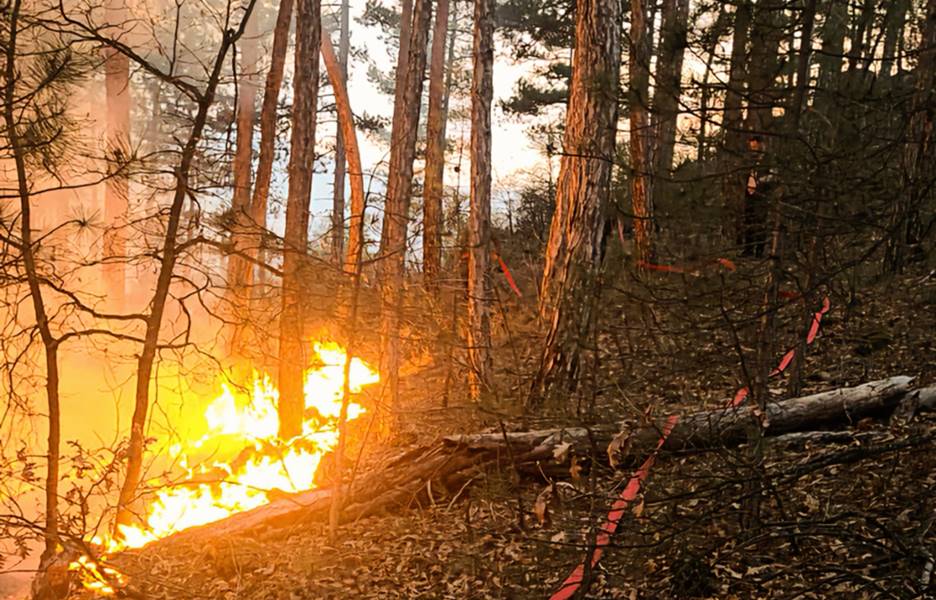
(410, 72)
(292, 356)
(479, 228)
(673, 31)
(802, 65)
(238, 266)
(116, 188)
(735, 176)
(640, 134)
(894, 20)
(271, 90)
(919, 156)
(714, 35)
(49, 342)
(766, 35)
(351, 151)
(575, 248)
(435, 151)
(338, 190)
(169, 255)
(830, 60)
(858, 45)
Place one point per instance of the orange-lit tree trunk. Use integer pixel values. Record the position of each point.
(292, 357)
(640, 134)
(574, 250)
(411, 67)
(271, 90)
(672, 48)
(50, 343)
(435, 151)
(479, 223)
(351, 152)
(116, 188)
(168, 255)
(734, 175)
(238, 266)
(338, 190)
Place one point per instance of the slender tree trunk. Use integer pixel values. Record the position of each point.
(157, 304)
(802, 65)
(49, 342)
(410, 72)
(351, 151)
(479, 229)
(271, 90)
(894, 20)
(766, 35)
(116, 188)
(830, 60)
(338, 191)
(292, 355)
(858, 41)
(435, 151)
(640, 135)
(238, 266)
(711, 50)
(919, 157)
(670, 55)
(735, 176)
(574, 251)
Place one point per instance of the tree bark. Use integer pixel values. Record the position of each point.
(435, 151)
(238, 266)
(479, 227)
(830, 60)
(157, 304)
(49, 341)
(802, 64)
(894, 20)
(117, 186)
(352, 153)
(918, 175)
(410, 72)
(640, 135)
(574, 251)
(766, 35)
(735, 176)
(673, 31)
(292, 355)
(338, 190)
(271, 90)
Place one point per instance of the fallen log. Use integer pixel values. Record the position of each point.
(452, 460)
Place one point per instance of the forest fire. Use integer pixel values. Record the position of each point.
(263, 462)
(259, 463)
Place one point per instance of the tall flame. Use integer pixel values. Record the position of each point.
(264, 463)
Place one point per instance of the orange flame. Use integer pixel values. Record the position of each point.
(265, 464)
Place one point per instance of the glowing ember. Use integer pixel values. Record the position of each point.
(264, 463)
(96, 576)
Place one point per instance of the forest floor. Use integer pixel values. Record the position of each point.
(847, 520)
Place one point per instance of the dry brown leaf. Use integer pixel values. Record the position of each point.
(575, 471)
(561, 452)
(541, 506)
(619, 446)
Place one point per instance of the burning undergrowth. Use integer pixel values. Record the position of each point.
(240, 463)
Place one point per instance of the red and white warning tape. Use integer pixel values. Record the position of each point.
(573, 583)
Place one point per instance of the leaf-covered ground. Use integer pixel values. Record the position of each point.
(850, 519)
